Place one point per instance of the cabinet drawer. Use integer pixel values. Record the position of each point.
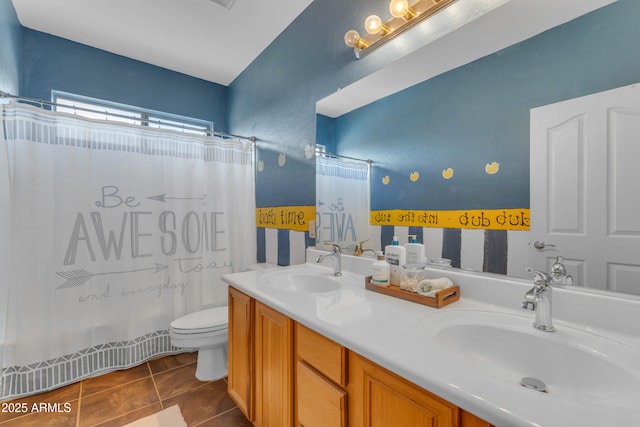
(320, 402)
(326, 356)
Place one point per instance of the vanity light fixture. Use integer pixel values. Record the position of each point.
(404, 17)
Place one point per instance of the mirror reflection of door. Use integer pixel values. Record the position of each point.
(342, 201)
(585, 200)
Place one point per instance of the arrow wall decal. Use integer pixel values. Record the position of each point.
(163, 198)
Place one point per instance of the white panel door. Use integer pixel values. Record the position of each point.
(585, 188)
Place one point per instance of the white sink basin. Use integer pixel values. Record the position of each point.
(573, 364)
(306, 279)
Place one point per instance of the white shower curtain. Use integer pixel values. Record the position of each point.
(109, 232)
(342, 201)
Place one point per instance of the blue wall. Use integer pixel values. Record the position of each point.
(54, 63)
(463, 119)
(479, 113)
(274, 98)
(10, 48)
(326, 132)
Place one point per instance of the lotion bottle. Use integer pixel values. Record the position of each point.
(396, 256)
(380, 271)
(415, 251)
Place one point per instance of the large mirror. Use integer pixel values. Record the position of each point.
(542, 55)
(586, 208)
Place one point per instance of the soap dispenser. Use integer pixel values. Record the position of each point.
(396, 256)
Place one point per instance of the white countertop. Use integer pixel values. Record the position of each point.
(385, 330)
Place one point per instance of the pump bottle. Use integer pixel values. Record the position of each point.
(380, 271)
(415, 251)
(396, 256)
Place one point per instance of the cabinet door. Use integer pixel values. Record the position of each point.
(240, 351)
(273, 368)
(379, 398)
(320, 402)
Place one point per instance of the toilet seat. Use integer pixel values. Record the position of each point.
(202, 322)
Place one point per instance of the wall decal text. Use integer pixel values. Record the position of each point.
(285, 217)
(488, 219)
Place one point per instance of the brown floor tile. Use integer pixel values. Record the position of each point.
(113, 379)
(121, 397)
(132, 416)
(169, 362)
(48, 419)
(106, 405)
(202, 403)
(60, 395)
(176, 381)
(231, 418)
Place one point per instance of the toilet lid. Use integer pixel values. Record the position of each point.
(203, 319)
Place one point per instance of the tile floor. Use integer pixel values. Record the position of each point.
(117, 398)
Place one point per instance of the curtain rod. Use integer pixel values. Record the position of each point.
(42, 103)
(343, 157)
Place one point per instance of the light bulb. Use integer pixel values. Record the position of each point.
(351, 38)
(373, 24)
(399, 8)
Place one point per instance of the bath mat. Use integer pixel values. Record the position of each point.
(170, 417)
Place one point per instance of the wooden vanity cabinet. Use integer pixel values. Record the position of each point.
(319, 402)
(241, 350)
(283, 374)
(321, 378)
(273, 368)
(260, 378)
(469, 420)
(377, 397)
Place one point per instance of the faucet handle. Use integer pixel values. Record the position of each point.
(358, 250)
(558, 269)
(540, 277)
(336, 248)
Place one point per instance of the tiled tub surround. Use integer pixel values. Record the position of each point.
(385, 330)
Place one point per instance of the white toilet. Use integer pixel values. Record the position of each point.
(208, 331)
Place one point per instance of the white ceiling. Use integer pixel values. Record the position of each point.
(196, 37)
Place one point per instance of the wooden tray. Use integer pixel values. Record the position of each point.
(442, 298)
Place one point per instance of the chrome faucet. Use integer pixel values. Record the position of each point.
(559, 273)
(538, 298)
(337, 265)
